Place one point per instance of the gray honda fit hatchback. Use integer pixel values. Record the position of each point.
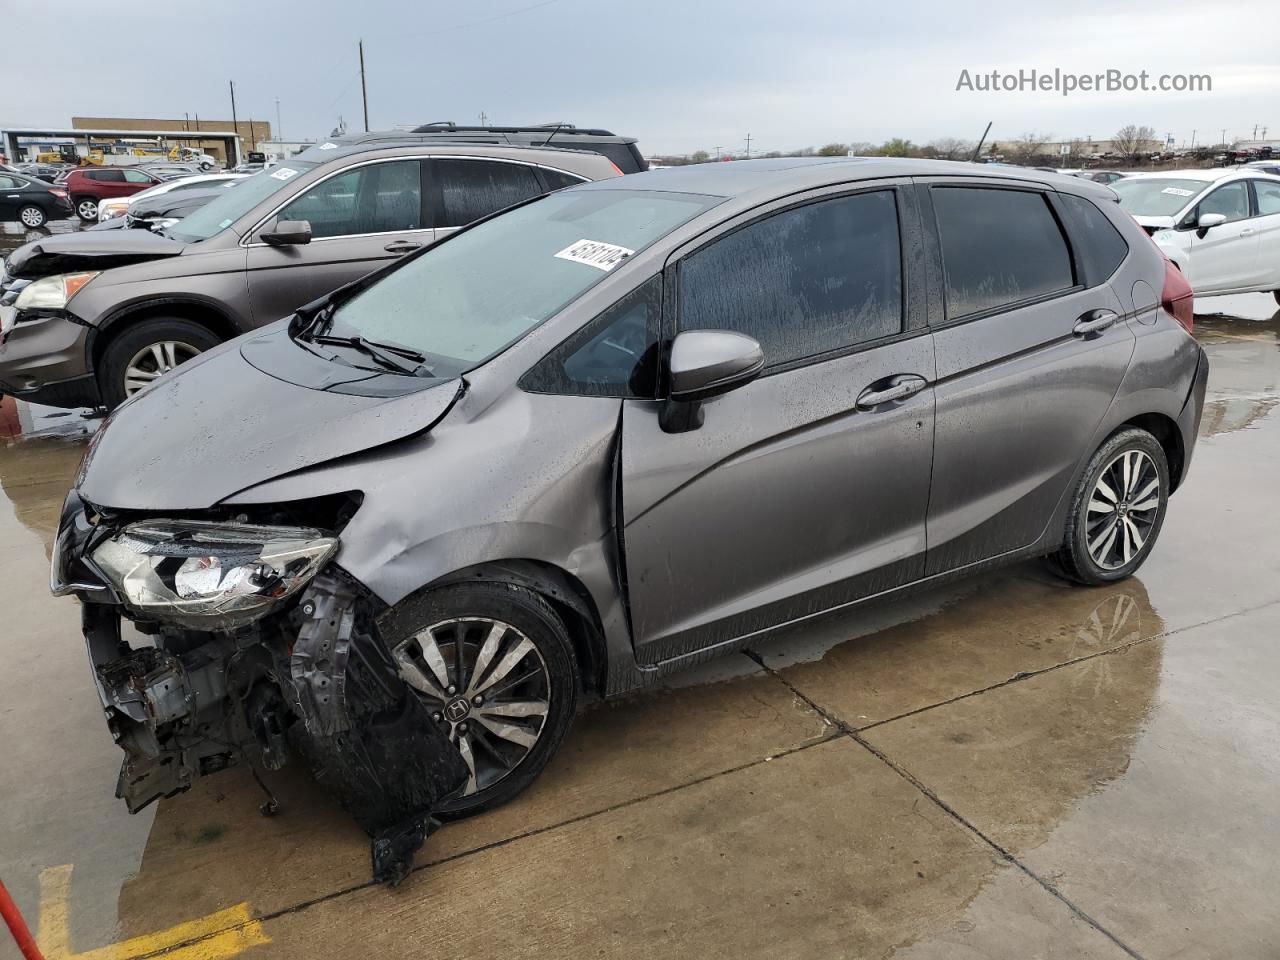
(607, 434)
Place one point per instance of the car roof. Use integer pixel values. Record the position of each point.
(547, 156)
(751, 178)
(1211, 175)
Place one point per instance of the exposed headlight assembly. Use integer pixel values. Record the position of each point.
(52, 293)
(207, 575)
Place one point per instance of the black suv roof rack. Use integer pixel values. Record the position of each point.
(448, 126)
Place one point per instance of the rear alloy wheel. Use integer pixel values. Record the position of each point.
(1117, 510)
(32, 216)
(87, 209)
(142, 354)
(493, 663)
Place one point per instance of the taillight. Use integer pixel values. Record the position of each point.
(58, 191)
(1178, 297)
(616, 169)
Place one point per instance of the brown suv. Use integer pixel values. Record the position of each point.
(101, 314)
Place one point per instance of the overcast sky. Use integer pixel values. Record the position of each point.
(679, 74)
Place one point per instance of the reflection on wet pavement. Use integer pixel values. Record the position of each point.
(1004, 767)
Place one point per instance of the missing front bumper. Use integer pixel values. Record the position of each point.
(316, 681)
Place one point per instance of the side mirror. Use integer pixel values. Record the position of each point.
(706, 364)
(287, 233)
(1209, 220)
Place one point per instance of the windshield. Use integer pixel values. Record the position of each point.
(464, 301)
(1156, 196)
(234, 204)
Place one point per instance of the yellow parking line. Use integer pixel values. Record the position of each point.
(213, 937)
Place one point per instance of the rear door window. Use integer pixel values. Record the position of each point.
(137, 176)
(471, 189)
(106, 176)
(999, 247)
(803, 282)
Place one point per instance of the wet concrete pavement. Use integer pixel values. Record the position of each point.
(1007, 767)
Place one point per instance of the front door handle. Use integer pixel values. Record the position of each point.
(900, 387)
(1247, 232)
(1095, 321)
(402, 246)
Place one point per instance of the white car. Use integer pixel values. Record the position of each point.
(1221, 227)
(118, 206)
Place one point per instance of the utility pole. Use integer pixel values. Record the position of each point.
(748, 146)
(1193, 139)
(364, 93)
(279, 125)
(484, 118)
(1224, 136)
(235, 126)
(717, 153)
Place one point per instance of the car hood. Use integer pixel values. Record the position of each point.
(1159, 223)
(221, 423)
(89, 250)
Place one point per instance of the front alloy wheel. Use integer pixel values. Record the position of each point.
(153, 361)
(87, 209)
(494, 664)
(487, 683)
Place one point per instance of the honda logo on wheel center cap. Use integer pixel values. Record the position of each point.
(457, 709)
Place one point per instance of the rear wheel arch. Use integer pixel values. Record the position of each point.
(1166, 432)
(565, 592)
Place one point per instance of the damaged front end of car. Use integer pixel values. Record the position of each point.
(261, 648)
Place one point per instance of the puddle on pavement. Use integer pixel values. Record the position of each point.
(209, 849)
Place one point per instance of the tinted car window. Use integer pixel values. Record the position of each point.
(137, 176)
(557, 180)
(1268, 195)
(615, 355)
(471, 189)
(375, 198)
(9, 183)
(998, 247)
(106, 176)
(802, 282)
(1102, 248)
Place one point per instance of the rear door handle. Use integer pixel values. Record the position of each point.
(1247, 232)
(1095, 321)
(402, 246)
(900, 387)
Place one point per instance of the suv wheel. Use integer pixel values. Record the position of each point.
(1117, 510)
(146, 351)
(32, 216)
(87, 209)
(494, 664)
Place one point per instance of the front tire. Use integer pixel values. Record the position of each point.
(1117, 510)
(87, 209)
(494, 664)
(32, 217)
(145, 352)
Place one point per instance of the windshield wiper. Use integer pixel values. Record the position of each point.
(394, 356)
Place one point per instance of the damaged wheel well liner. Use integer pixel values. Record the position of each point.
(174, 308)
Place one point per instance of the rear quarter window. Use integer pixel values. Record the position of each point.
(1100, 245)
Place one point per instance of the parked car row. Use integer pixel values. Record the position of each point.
(583, 443)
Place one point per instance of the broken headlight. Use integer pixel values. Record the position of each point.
(208, 575)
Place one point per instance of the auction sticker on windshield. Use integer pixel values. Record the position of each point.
(1178, 191)
(595, 253)
(284, 173)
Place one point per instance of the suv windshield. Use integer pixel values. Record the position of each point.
(468, 298)
(219, 214)
(1156, 196)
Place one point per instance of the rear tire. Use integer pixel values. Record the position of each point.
(145, 351)
(536, 711)
(87, 209)
(1117, 510)
(32, 217)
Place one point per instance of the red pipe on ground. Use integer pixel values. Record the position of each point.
(17, 926)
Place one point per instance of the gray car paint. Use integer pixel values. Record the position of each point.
(589, 497)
